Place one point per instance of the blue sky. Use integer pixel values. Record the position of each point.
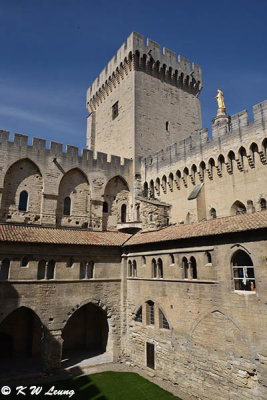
(52, 50)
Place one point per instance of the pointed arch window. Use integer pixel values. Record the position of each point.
(163, 323)
(23, 201)
(243, 272)
(67, 206)
(50, 273)
(134, 269)
(154, 268)
(160, 268)
(193, 267)
(185, 267)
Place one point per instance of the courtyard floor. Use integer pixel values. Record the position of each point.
(110, 385)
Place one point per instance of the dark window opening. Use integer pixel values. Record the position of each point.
(41, 270)
(193, 267)
(115, 110)
(67, 205)
(263, 204)
(160, 268)
(105, 207)
(185, 267)
(138, 317)
(90, 270)
(83, 270)
(24, 262)
(150, 355)
(213, 213)
(167, 125)
(208, 257)
(130, 268)
(4, 271)
(51, 270)
(123, 213)
(134, 269)
(23, 201)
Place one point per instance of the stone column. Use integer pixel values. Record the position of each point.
(51, 353)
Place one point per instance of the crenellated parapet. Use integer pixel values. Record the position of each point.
(240, 137)
(41, 151)
(134, 54)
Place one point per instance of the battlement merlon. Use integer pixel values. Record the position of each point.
(177, 69)
(71, 157)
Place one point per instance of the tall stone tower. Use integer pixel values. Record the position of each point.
(143, 101)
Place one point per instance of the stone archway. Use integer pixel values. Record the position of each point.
(20, 342)
(86, 337)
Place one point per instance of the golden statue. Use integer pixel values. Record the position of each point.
(220, 102)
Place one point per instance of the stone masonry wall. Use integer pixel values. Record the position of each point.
(215, 347)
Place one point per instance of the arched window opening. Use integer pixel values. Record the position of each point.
(139, 316)
(83, 270)
(213, 214)
(185, 267)
(154, 268)
(221, 161)
(51, 270)
(163, 323)
(238, 208)
(231, 158)
(144, 260)
(164, 183)
(123, 213)
(157, 186)
(4, 271)
(185, 174)
(151, 189)
(263, 204)
(243, 272)
(90, 270)
(145, 191)
(160, 268)
(211, 167)
(105, 207)
(202, 169)
(208, 257)
(193, 267)
(130, 268)
(150, 313)
(193, 172)
(24, 262)
(170, 183)
(41, 270)
(167, 126)
(178, 177)
(23, 201)
(253, 150)
(67, 206)
(134, 269)
(242, 154)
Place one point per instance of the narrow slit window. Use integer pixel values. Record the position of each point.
(115, 110)
(67, 205)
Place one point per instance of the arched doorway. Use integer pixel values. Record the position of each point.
(85, 337)
(20, 342)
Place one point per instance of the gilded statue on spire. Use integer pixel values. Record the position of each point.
(220, 102)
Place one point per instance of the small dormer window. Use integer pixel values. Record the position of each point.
(115, 110)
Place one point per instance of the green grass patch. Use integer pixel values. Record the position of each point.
(109, 385)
